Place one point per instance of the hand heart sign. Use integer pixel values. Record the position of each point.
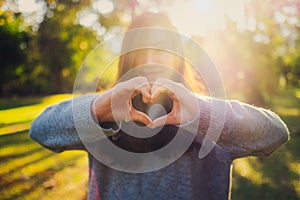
(163, 105)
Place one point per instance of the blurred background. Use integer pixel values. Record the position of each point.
(253, 43)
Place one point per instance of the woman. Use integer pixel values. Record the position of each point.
(151, 95)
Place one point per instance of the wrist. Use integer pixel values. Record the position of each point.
(101, 108)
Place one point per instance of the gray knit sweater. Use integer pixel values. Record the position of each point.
(247, 130)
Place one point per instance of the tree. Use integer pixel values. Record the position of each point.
(12, 53)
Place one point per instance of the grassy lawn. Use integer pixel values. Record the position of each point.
(18, 118)
(29, 171)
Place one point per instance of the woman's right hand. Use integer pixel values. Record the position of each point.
(115, 104)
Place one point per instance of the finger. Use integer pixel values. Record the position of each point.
(170, 86)
(140, 117)
(164, 120)
(159, 122)
(158, 90)
(134, 83)
(146, 93)
(176, 90)
(143, 87)
(166, 83)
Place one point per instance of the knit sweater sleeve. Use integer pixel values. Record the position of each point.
(244, 130)
(68, 125)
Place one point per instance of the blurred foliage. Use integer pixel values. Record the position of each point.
(255, 61)
(42, 50)
(11, 55)
(62, 46)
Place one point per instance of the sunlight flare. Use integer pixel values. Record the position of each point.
(194, 17)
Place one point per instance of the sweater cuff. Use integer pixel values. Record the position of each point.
(87, 128)
(106, 126)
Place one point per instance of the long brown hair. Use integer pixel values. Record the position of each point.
(127, 63)
(186, 74)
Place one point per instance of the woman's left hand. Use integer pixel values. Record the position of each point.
(185, 103)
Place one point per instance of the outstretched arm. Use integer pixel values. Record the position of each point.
(72, 123)
(240, 128)
(246, 130)
(55, 128)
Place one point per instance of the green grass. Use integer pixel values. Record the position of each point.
(19, 118)
(29, 171)
(278, 175)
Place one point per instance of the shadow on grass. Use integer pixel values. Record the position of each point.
(26, 170)
(280, 184)
(13, 139)
(7, 157)
(15, 102)
(31, 162)
(2, 125)
(33, 182)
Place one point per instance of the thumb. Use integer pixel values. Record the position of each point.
(164, 120)
(140, 117)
